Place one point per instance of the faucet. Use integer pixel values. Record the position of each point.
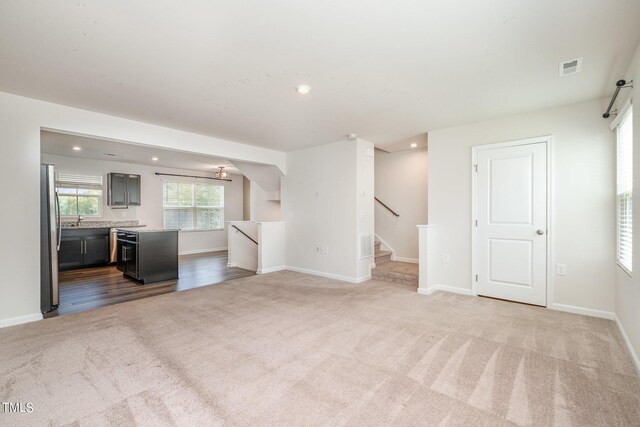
(80, 219)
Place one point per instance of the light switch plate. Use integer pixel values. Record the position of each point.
(561, 269)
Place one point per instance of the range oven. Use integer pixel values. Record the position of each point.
(127, 253)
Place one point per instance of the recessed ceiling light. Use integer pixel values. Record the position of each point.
(414, 144)
(76, 148)
(303, 89)
(155, 159)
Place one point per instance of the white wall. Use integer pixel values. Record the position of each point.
(271, 249)
(628, 288)
(320, 207)
(583, 200)
(401, 183)
(150, 211)
(365, 184)
(21, 120)
(246, 199)
(260, 207)
(243, 253)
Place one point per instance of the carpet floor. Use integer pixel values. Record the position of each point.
(290, 349)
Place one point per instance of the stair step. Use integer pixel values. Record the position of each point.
(396, 272)
(382, 256)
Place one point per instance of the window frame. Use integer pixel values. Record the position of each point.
(79, 185)
(625, 116)
(194, 208)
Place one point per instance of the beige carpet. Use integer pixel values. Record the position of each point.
(291, 349)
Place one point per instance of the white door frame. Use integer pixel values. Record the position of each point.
(548, 140)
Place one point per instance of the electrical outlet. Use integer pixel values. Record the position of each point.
(445, 258)
(124, 214)
(561, 269)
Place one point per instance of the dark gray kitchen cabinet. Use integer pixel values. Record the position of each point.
(71, 251)
(149, 255)
(83, 248)
(123, 189)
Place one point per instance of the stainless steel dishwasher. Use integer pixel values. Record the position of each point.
(113, 245)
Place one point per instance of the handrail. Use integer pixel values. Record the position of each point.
(246, 235)
(387, 207)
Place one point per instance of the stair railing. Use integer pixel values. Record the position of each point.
(386, 207)
(245, 234)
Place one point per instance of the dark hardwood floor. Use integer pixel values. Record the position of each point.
(90, 288)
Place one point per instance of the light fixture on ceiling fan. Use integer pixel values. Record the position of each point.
(221, 174)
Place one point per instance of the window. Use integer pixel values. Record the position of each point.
(624, 189)
(79, 194)
(193, 206)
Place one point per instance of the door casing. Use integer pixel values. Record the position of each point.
(548, 140)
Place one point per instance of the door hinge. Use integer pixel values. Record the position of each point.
(475, 168)
(476, 277)
(476, 222)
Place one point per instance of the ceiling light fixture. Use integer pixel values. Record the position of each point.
(76, 148)
(414, 144)
(221, 174)
(303, 89)
(155, 159)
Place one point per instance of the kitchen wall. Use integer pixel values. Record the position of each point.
(401, 183)
(583, 201)
(627, 298)
(150, 211)
(21, 120)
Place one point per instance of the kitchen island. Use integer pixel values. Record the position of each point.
(148, 255)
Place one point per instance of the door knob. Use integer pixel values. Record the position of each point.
(539, 232)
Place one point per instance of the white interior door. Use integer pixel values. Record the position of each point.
(511, 202)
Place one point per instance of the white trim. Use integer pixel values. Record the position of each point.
(383, 246)
(202, 251)
(329, 275)
(402, 259)
(12, 321)
(445, 288)
(232, 264)
(271, 269)
(581, 310)
(630, 349)
(548, 140)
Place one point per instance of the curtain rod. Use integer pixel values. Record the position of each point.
(193, 176)
(620, 84)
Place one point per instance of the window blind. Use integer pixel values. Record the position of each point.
(624, 189)
(69, 180)
(193, 206)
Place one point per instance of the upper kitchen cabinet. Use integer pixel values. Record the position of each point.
(123, 189)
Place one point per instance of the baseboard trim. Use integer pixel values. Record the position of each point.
(329, 275)
(202, 251)
(581, 310)
(402, 259)
(232, 264)
(12, 321)
(630, 349)
(271, 269)
(445, 288)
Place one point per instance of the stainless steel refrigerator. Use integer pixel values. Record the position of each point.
(49, 239)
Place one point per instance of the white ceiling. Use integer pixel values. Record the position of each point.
(61, 144)
(384, 70)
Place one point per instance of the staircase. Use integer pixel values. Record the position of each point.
(404, 273)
